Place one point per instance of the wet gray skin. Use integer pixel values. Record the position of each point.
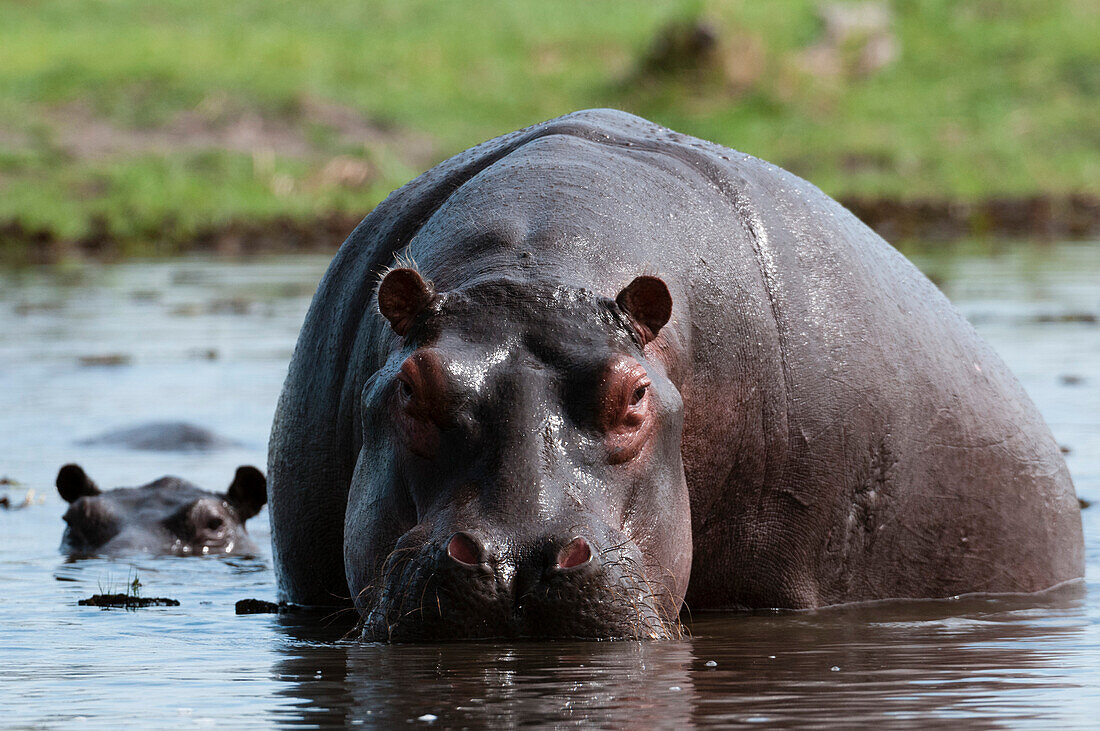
(167, 516)
(587, 373)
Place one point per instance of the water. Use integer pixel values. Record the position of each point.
(208, 341)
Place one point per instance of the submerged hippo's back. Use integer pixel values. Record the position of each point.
(847, 435)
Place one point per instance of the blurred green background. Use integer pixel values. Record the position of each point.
(151, 125)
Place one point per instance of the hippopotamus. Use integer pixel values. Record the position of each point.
(167, 516)
(162, 436)
(583, 374)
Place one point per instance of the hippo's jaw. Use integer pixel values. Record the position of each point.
(426, 594)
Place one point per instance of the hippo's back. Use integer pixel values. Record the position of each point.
(904, 458)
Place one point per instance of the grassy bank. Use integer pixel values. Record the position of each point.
(138, 122)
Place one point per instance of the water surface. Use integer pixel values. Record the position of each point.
(208, 341)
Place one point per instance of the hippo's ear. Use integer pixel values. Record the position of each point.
(73, 484)
(248, 493)
(648, 303)
(402, 294)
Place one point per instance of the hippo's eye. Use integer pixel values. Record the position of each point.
(419, 402)
(626, 413)
(404, 388)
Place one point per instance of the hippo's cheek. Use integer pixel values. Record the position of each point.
(376, 525)
(91, 524)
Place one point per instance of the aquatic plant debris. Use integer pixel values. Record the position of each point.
(127, 601)
(28, 500)
(257, 606)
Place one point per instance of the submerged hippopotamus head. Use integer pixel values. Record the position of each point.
(523, 475)
(168, 516)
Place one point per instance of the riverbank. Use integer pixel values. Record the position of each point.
(132, 128)
(902, 222)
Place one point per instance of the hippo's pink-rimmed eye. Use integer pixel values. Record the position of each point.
(624, 409)
(419, 401)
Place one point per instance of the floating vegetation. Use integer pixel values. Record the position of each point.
(132, 599)
(127, 601)
(28, 500)
(257, 606)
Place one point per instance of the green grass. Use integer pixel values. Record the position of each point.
(990, 97)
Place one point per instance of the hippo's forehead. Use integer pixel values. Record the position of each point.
(559, 327)
(156, 500)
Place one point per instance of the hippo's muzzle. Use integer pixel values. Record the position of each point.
(467, 585)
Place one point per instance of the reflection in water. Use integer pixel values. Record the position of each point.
(885, 663)
(475, 683)
(889, 662)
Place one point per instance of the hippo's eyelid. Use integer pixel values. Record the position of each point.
(404, 388)
(641, 388)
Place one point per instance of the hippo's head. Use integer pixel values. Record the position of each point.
(168, 516)
(521, 476)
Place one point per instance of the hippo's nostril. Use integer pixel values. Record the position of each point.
(464, 549)
(575, 554)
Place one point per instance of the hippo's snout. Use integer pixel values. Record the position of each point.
(467, 586)
(467, 550)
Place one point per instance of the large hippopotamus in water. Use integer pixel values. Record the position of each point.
(583, 373)
(167, 516)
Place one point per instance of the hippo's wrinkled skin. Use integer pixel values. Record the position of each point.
(615, 366)
(168, 516)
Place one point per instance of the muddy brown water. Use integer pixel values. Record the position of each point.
(83, 350)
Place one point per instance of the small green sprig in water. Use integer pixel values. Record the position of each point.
(132, 599)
